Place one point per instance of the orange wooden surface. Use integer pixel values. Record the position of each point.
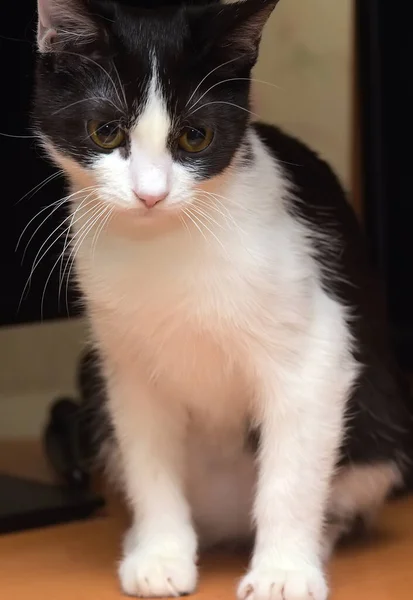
(77, 562)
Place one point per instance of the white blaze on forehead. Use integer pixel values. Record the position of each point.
(154, 123)
(151, 161)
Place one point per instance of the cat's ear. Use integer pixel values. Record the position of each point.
(247, 23)
(237, 26)
(62, 23)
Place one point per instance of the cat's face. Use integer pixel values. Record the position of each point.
(148, 108)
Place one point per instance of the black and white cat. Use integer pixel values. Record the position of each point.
(250, 389)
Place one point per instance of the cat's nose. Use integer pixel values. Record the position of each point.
(150, 199)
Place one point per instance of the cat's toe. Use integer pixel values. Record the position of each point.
(157, 575)
(303, 583)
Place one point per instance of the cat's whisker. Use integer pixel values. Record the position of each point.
(122, 87)
(220, 197)
(94, 99)
(202, 223)
(70, 242)
(85, 202)
(13, 39)
(216, 198)
(40, 185)
(227, 62)
(50, 275)
(186, 212)
(238, 229)
(228, 218)
(74, 34)
(66, 243)
(37, 260)
(65, 246)
(101, 227)
(208, 195)
(62, 264)
(250, 79)
(104, 225)
(227, 103)
(109, 212)
(122, 107)
(81, 235)
(185, 224)
(204, 213)
(58, 205)
(18, 137)
(47, 283)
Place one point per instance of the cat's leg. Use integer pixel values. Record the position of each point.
(160, 548)
(302, 403)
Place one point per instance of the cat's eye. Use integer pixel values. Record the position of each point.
(107, 136)
(195, 139)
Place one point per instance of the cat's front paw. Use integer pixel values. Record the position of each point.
(157, 574)
(300, 583)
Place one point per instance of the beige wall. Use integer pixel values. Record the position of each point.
(37, 364)
(306, 52)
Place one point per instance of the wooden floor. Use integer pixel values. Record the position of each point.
(77, 562)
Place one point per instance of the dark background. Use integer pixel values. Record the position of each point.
(22, 168)
(385, 53)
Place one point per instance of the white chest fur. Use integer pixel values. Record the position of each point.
(187, 315)
(187, 310)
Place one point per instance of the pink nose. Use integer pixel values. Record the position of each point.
(150, 199)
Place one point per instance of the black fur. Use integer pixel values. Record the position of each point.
(379, 426)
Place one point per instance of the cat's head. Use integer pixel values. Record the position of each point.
(148, 105)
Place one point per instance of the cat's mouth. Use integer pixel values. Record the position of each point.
(140, 221)
(142, 211)
(141, 214)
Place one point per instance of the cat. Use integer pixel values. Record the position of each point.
(251, 392)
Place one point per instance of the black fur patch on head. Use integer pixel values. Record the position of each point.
(202, 54)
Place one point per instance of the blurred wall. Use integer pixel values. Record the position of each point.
(307, 54)
(37, 364)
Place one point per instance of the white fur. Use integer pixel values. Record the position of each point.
(151, 162)
(205, 328)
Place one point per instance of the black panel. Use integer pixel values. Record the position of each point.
(385, 55)
(22, 168)
(28, 504)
